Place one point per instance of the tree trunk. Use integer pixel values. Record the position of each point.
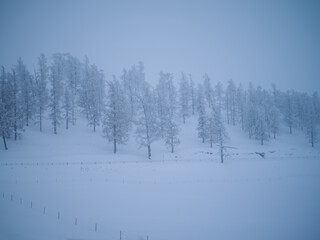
(15, 107)
(242, 125)
(67, 119)
(114, 145)
(4, 142)
(261, 140)
(55, 127)
(15, 130)
(55, 118)
(149, 151)
(211, 141)
(27, 115)
(228, 116)
(192, 107)
(290, 130)
(15, 121)
(221, 152)
(40, 120)
(73, 110)
(172, 147)
(312, 140)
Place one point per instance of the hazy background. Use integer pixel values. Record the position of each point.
(258, 41)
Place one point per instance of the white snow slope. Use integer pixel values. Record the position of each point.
(71, 186)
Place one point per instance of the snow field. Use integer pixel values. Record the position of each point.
(186, 195)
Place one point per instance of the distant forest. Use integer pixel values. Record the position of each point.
(69, 88)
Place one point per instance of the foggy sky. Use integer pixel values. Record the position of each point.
(259, 41)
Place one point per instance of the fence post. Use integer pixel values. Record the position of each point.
(120, 235)
(44, 210)
(96, 227)
(20, 200)
(3, 195)
(11, 197)
(58, 215)
(31, 204)
(76, 221)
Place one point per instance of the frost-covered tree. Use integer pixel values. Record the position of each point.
(41, 91)
(214, 129)
(161, 95)
(166, 100)
(257, 119)
(316, 104)
(261, 126)
(96, 97)
(300, 100)
(202, 118)
(184, 97)
(312, 119)
(67, 106)
(171, 130)
(147, 124)
(274, 116)
(116, 122)
(73, 73)
(209, 118)
(192, 94)
(250, 117)
(210, 127)
(219, 132)
(5, 108)
(262, 123)
(11, 121)
(208, 91)
(261, 115)
(289, 110)
(221, 135)
(218, 91)
(92, 94)
(240, 104)
(56, 91)
(277, 96)
(25, 82)
(230, 99)
(84, 88)
(16, 105)
(133, 81)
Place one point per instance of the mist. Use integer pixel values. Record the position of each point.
(158, 120)
(262, 42)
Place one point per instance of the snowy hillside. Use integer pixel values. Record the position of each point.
(80, 144)
(159, 120)
(72, 186)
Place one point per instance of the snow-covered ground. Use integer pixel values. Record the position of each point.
(187, 195)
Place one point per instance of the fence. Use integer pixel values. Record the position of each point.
(94, 228)
(209, 158)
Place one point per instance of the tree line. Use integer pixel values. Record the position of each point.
(69, 88)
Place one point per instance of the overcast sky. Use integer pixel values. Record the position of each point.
(259, 41)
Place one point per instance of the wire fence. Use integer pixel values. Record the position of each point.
(94, 228)
(173, 160)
